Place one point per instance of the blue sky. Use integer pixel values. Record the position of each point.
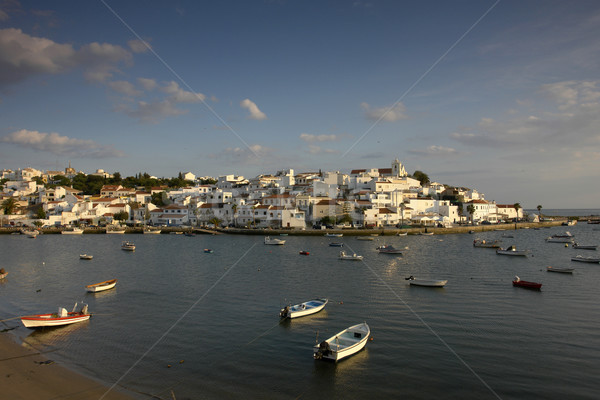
(501, 96)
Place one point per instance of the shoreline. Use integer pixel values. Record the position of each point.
(26, 374)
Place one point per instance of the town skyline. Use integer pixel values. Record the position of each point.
(498, 96)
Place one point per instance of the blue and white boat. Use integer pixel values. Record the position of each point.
(300, 310)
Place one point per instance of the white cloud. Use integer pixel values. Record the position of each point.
(253, 155)
(125, 88)
(147, 84)
(394, 113)
(138, 46)
(312, 149)
(255, 112)
(179, 95)
(152, 112)
(435, 151)
(307, 137)
(23, 56)
(60, 145)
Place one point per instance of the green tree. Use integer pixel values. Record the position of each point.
(471, 211)
(9, 205)
(158, 199)
(326, 220)
(121, 216)
(539, 208)
(215, 221)
(421, 177)
(38, 223)
(346, 218)
(40, 213)
(517, 207)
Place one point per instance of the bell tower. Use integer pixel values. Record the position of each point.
(398, 170)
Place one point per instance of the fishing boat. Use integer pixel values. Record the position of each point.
(99, 287)
(72, 231)
(128, 246)
(526, 284)
(3, 273)
(208, 250)
(512, 251)
(584, 247)
(300, 310)
(388, 249)
(274, 241)
(336, 244)
(62, 317)
(560, 270)
(152, 231)
(426, 282)
(115, 230)
(31, 233)
(343, 344)
(304, 253)
(581, 258)
(353, 257)
(491, 244)
(86, 256)
(334, 234)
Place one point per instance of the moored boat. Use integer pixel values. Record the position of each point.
(388, 249)
(581, 258)
(366, 238)
(208, 250)
(353, 257)
(584, 246)
(101, 286)
(274, 241)
(128, 246)
(304, 253)
(492, 244)
(86, 256)
(300, 310)
(152, 231)
(334, 234)
(72, 231)
(560, 270)
(62, 317)
(426, 282)
(343, 344)
(336, 244)
(559, 239)
(115, 230)
(3, 273)
(512, 251)
(526, 284)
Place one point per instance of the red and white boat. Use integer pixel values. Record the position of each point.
(526, 284)
(62, 317)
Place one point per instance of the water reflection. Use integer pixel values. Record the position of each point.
(52, 336)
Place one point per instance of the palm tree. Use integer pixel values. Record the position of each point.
(402, 208)
(234, 209)
(471, 211)
(9, 205)
(460, 213)
(517, 207)
(215, 221)
(539, 208)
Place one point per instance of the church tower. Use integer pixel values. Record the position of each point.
(398, 170)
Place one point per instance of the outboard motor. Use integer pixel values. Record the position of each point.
(284, 312)
(324, 350)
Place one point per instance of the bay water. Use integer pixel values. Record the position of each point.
(202, 325)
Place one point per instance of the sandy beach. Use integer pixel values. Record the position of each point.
(26, 374)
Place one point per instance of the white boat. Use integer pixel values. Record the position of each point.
(300, 310)
(389, 249)
(31, 233)
(512, 251)
(62, 317)
(561, 270)
(567, 234)
(118, 231)
(426, 282)
(366, 238)
(3, 273)
(426, 233)
(586, 259)
(334, 234)
(402, 234)
(584, 247)
(274, 241)
(99, 287)
(343, 344)
(151, 231)
(486, 243)
(353, 257)
(128, 246)
(86, 256)
(72, 231)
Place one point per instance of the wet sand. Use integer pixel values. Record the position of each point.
(25, 374)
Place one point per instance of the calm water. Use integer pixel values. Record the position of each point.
(477, 338)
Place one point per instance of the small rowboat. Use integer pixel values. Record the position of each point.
(579, 258)
(512, 251)
(584, 247)
(61, 318)
(99, 287)
(426, 282)
(128, 246)
(303, 309)
(86, 256)
(343, 344)
(336, 244)
(561, 270)
(353, 257)
(526, 284)
(304, 252)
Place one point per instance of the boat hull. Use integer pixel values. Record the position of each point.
(527, 285)
(42, 320)
(344, 344)
(303, 309)
(99, 287)
(517, 253)
(560, 270)
(428, 283)
(586, 259)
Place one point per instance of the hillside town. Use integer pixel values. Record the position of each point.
(369, 198)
